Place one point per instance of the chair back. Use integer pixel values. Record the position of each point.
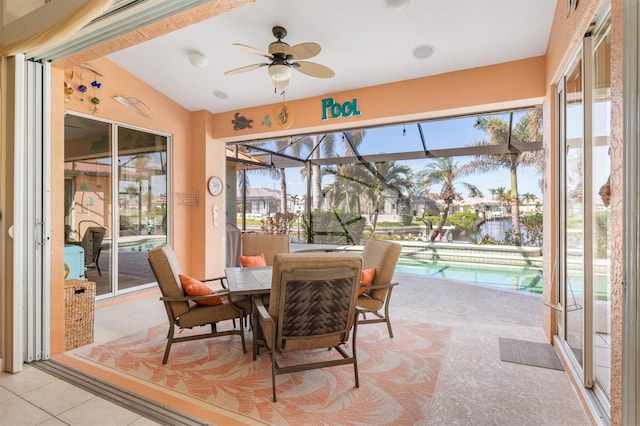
(166, 269)
(382, 255)
(313, 299)
(92, 243)
(268, 244)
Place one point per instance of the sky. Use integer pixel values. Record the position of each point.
(439, 134)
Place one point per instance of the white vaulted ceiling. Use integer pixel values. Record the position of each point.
(365, 42)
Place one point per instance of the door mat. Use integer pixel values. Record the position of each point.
(529, 353)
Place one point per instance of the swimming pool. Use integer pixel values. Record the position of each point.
(503, 277)
(136, 244)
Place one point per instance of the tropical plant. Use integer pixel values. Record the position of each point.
(527, 197)
(444, 173)
(324, 146)
(367, 183)
(528, 128)
(345, 191)
(501, 195)
(334, 227)
(280, 223)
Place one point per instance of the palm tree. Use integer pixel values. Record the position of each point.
(528, 128)
(295, 201)
(384, 177)
(358, 183)
(324, 146)
(445, 173)
(317, 146)
(281, 145)
(527, 197)
(475, 193)
(501, 195)
(346, 188)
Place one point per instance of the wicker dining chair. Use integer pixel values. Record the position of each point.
(183, 311)
(312, 306)
(267, 244)
(383, 256)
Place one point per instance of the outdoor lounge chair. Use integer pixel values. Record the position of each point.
(183, 311)
(383, 256)
(312, 306)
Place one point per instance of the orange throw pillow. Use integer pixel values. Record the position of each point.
(194, 287)
(253, 261)
(366, 278)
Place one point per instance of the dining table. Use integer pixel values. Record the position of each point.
(252, 282)
(249, 281)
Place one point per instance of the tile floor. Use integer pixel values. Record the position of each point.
(33, 397)
(474, 387)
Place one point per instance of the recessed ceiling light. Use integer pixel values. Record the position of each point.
(197, 59)
(422, 51)
(396, 4)
(220, 94)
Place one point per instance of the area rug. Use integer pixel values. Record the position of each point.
(529, 353)
(397, 376)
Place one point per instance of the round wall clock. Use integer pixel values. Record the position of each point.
(215, 186)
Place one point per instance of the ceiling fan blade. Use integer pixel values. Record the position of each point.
(313, 69)
(303, 50)
(254, 50)
(245, 69)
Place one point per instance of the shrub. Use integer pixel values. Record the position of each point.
(278, 224)
(406, 219)
(335, 227)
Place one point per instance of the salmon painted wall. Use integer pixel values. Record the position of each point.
(209, 220)
(509, 85)
(167, 117)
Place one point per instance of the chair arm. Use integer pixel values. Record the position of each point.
(261, 310)
(379, 286)
(218, 293)
(221, 279)
(266, 323)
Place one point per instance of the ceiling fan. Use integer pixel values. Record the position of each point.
(284, 59)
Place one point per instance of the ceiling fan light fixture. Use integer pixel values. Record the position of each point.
(397, 4)
(280, 75)
(197, 59)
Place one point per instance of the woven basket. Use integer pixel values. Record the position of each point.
(79, 312)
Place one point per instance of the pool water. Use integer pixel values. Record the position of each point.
(145, 246)
(508, 278)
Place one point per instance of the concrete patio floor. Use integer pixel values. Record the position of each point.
(475, 386)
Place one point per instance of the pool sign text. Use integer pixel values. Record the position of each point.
(337, 110)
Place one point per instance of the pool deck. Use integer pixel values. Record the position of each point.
(474, 386)
(453, 253)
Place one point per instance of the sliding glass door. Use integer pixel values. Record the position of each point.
(600, 211)
(142, 203)
(115, 202)
(584, 117)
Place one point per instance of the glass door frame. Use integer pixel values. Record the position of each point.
(115, 203)
(114, 222)
(565, 289)
(584, 373)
